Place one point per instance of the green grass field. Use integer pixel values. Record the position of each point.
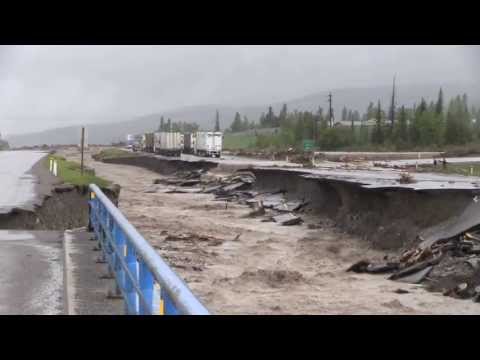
(239, 141)
(70, 173)
(113, 153)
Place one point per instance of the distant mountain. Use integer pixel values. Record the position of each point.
(353, 98)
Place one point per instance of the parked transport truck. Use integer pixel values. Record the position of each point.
(168, 143)
(208, 143)
(148, 142)
(130, 139)
(189, 143)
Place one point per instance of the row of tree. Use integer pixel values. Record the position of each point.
(185, 127)
(175, 126)
(424, 125)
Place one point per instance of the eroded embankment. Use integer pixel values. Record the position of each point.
(66, 208)
(388, 218)
(56, 206)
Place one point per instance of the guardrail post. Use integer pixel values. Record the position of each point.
(146, 285)
(132, 297)
(120, 242)
(168, 306)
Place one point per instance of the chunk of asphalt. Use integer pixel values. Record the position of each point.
(287, 219)
(416, 277)
(382, 268)
(359, 266)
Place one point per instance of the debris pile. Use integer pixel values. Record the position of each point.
(237, 187)
(450, 266)
(272, 205)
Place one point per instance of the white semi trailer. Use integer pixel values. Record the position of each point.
(208, 143)
(168, 143)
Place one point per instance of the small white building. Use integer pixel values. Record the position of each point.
(369, 122)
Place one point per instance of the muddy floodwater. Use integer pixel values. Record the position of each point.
(240, 265)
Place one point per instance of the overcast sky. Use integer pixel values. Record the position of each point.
(50, 86)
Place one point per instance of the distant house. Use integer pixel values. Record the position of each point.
(369, 122)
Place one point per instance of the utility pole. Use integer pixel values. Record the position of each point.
(81, 149)
(330, 109)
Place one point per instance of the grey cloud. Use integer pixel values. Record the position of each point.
(50, 86)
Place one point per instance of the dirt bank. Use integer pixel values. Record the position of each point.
(61, 207)
(389, 219)
(239, 265)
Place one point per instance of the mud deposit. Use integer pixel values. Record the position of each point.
(241, 265)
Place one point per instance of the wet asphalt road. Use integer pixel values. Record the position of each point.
(31, 272)
(17, 180)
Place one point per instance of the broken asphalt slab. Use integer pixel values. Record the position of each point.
(287, 219)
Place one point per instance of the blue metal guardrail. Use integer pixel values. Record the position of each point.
(148, 285)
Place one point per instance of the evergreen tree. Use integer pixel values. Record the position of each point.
(402, 133)
(458, 123)
(162, 124)
(451, 130)
(262, 120)
(439, 105)
(465, 103)
(282, 117)
(237, 124)
(351, 119)
(377, 135)
(392, 107)
(246, 123)
(217, 121)
(323, 121)
(270, 119)
(423, 106)
(344, 113)
(371, 111)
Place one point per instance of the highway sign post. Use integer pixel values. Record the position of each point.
(308, 145)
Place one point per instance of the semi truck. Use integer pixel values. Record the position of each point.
(130, 140)
(168, 143)
(189, 143)
(208, 143)
(133, 142)
(148, 142)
